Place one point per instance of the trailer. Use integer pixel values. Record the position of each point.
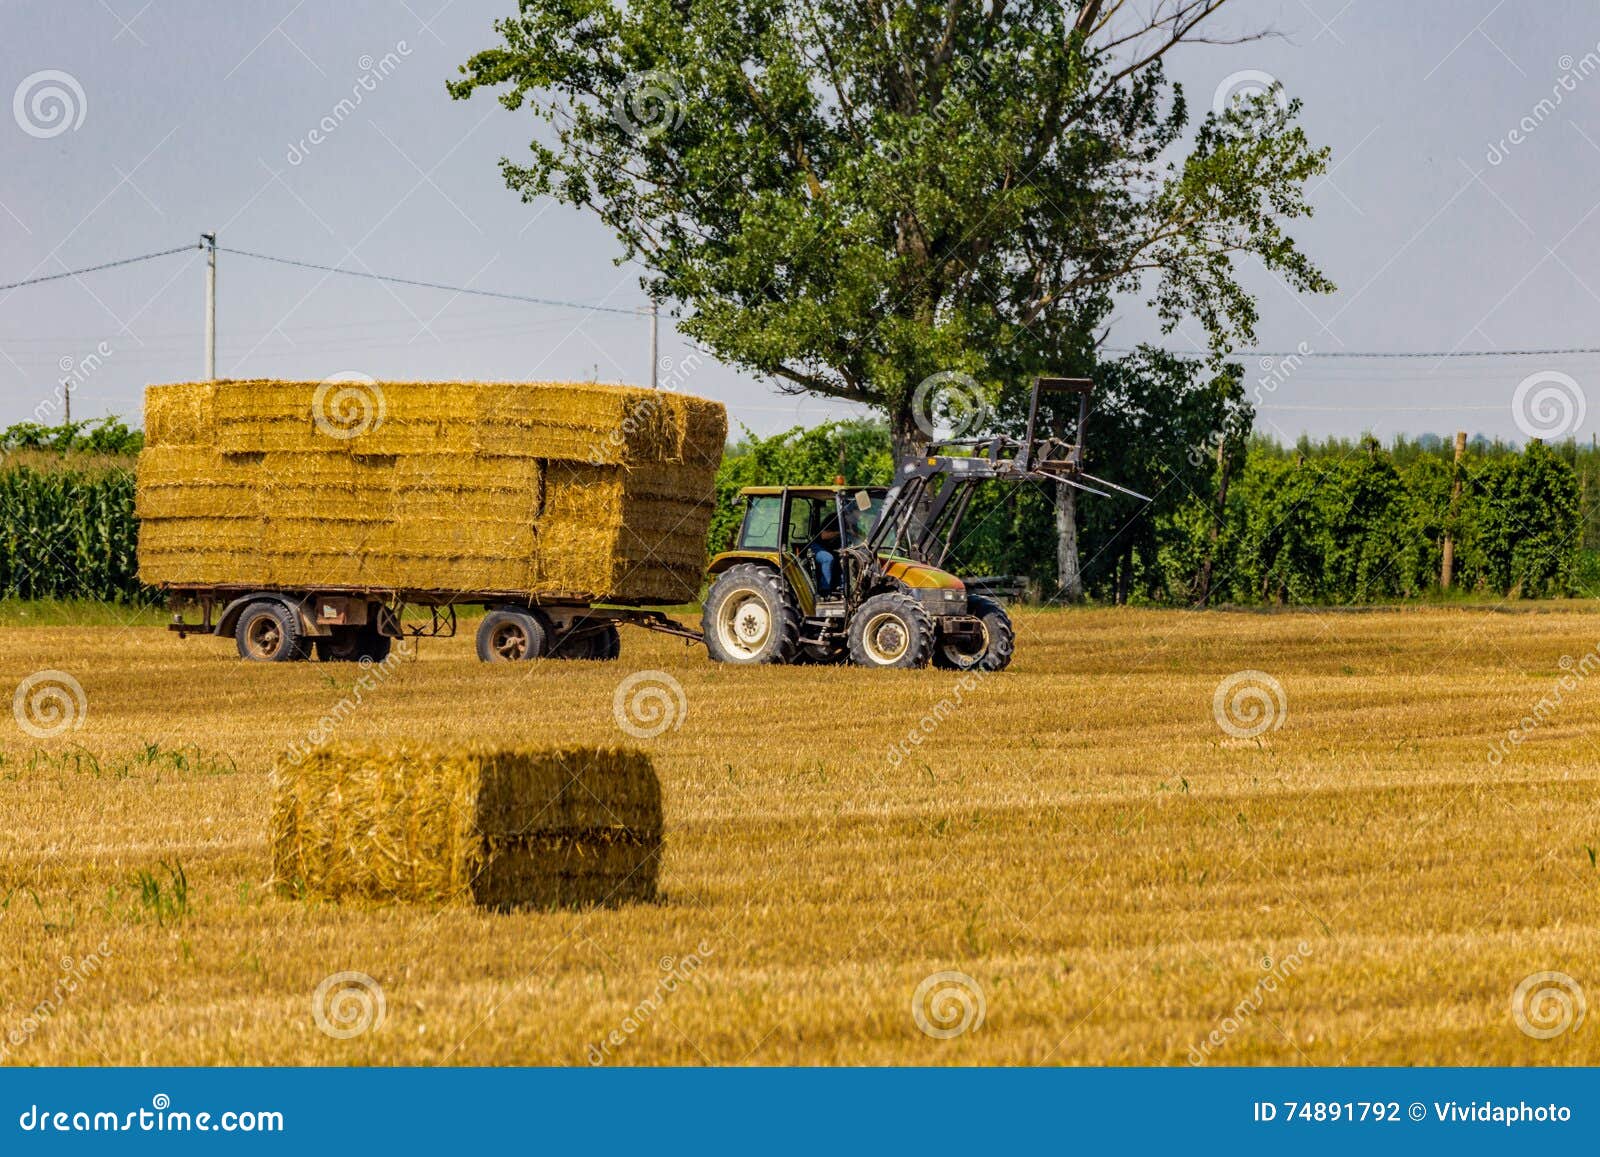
(342, 624)
(330, 519)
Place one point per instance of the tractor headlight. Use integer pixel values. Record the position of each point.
(943, 601)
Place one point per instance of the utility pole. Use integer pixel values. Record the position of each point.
(1448, 566)
(209, 240)
(66, 396)
(655, 340)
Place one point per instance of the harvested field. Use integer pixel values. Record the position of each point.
(1118, 875)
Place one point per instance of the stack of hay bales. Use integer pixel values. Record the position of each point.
(565, 490)
(502, 829)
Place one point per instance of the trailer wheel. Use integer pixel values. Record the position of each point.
(891, 630)
(607, 644)
(750, 617)
(602, 643)
(352, 644)
(991, 651)
(269, 632)
(512, 636)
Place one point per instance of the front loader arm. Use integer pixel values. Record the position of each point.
(921, 521)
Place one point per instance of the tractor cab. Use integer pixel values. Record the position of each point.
(802, 532)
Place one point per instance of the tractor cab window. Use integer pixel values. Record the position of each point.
(803, 521)
(814, 537)
(761, 521)
(859, 518)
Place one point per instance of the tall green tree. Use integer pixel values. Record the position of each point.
(850, 198)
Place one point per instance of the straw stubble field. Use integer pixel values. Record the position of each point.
(1116, 878)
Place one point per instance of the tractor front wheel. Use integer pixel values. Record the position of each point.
(750, 617)
(989, 650)
(891, 630)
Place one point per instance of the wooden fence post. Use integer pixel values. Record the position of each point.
(1447, 569)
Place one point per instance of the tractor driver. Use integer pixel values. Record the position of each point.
(825, 549)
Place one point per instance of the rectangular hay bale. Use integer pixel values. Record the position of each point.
(574, 490)
(502, 829)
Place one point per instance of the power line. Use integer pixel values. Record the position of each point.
(1345, 355)
(430, 284)
(1374, 354)
(97, 268)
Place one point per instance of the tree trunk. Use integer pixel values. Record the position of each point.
(1068, 577)
(907, 439)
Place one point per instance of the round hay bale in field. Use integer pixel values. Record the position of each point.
(503, 829)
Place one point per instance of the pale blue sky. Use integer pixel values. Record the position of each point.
(191, 111)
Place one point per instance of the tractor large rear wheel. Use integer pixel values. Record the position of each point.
(990, 650)
(891, 630)
(750, 617)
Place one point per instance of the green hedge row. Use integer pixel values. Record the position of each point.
(1330, 523)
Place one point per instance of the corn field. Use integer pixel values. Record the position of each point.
(67, 529)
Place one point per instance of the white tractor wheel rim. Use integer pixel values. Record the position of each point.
(745, 623)
(886, 638)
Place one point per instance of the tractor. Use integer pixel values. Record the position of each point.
(822, 574)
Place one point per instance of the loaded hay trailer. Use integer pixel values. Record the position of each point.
(303, 517)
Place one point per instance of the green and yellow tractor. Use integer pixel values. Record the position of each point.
(827, 573)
